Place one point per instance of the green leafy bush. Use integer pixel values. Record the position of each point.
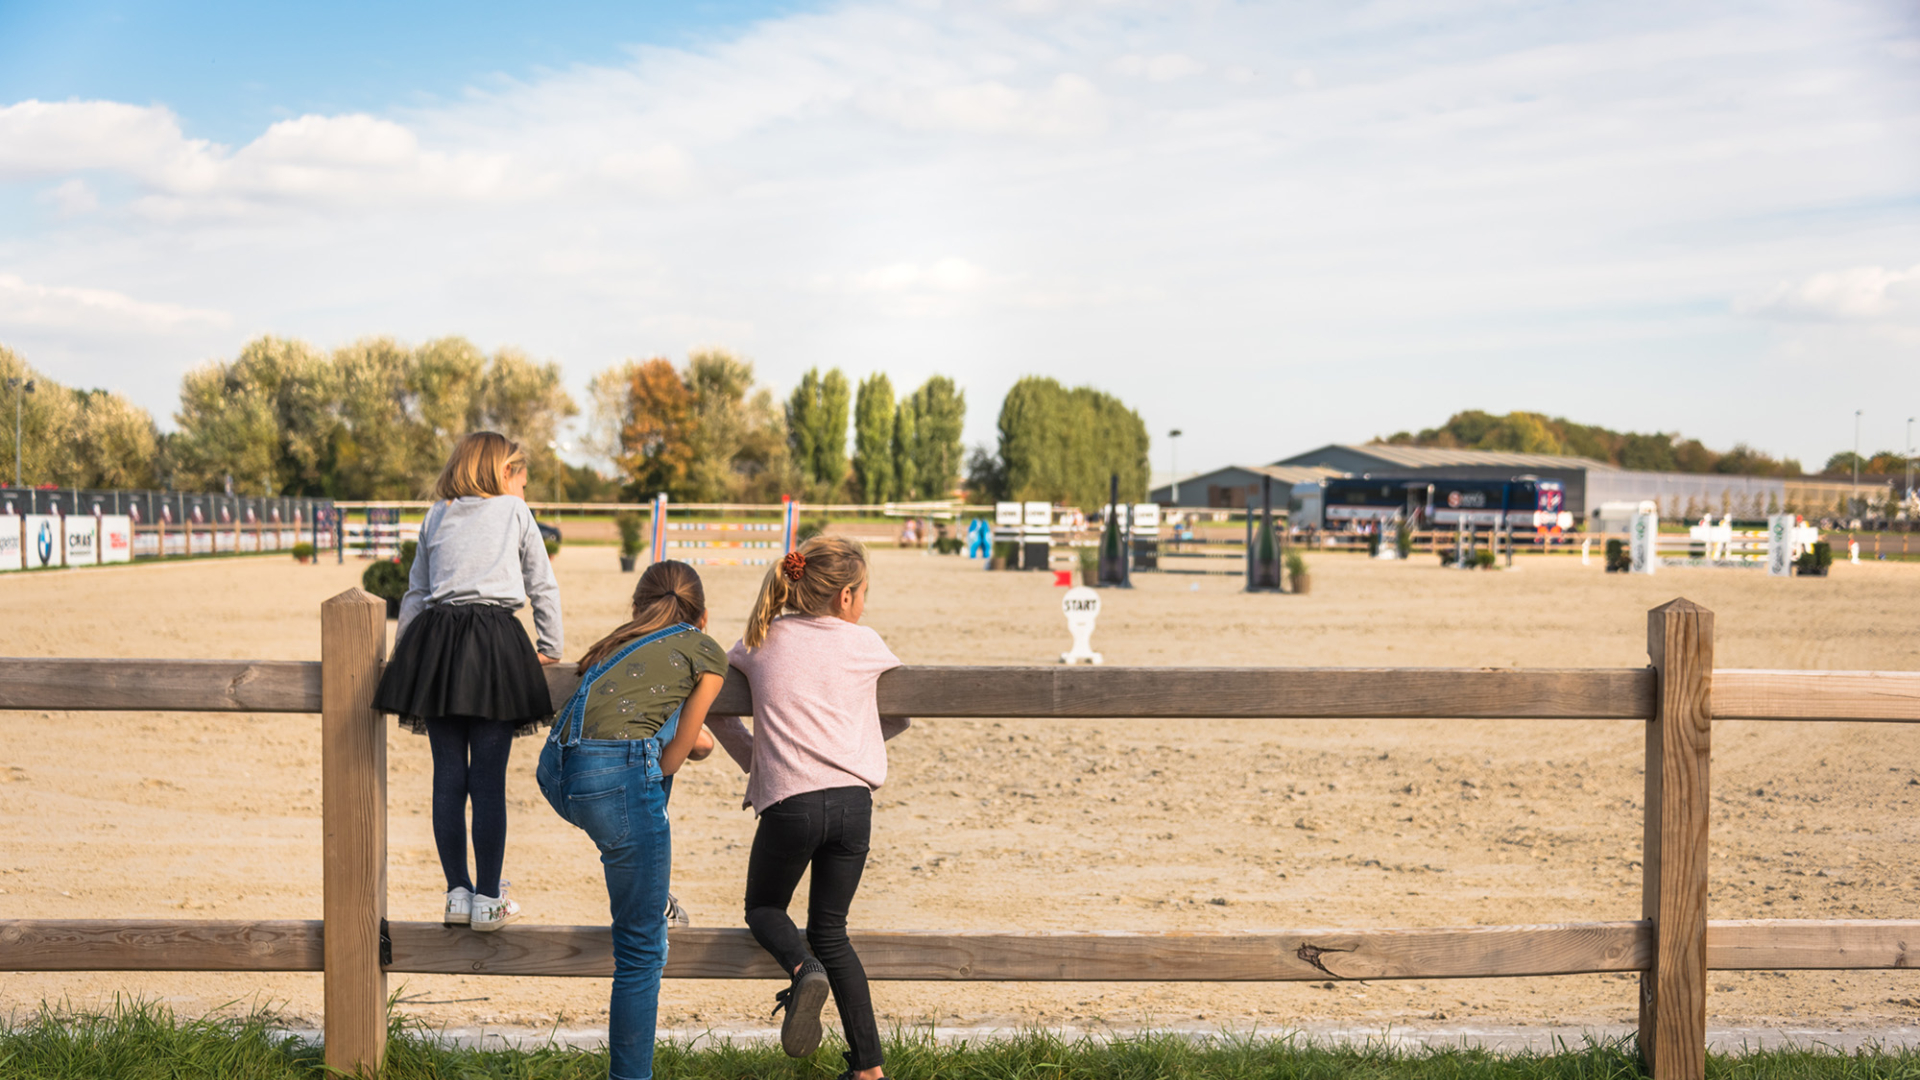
(1296, 564)
(552, 546)
(303, 551)
(1618, 561)
(629, 525)
(1484, 559)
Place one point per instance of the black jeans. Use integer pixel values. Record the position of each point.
(470, 762)
(827, 830)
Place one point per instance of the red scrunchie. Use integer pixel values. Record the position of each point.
(794, 566)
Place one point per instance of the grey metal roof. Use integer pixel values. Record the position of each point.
(1429, 457)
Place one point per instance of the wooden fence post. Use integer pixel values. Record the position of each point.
(1673, 995)
(353, 784)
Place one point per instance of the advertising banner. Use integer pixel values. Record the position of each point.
(10, 550)
(16, 501)
(226, 509)
(1780, 545)
(81, 536)
(50, 501)
(249, 512)
(195, 510)
(116, 538)
(138, 505)
(41, 544)
(96, 503)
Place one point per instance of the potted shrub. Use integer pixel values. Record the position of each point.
(1089, 565)
(1297, 575)
(387, 579)
(1484, 559)
(1618, 561)
(630, 545)
(1006, 554)
(303, 553)
(1815, 561)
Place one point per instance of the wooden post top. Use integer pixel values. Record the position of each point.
(1678, 605)
(354, 595)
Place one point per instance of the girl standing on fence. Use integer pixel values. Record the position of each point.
(814, 757)
(463, 672)
(608, 767)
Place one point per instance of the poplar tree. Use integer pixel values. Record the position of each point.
(817, 430)
(906, 471)
(939, 411)
(1062, 445)
(873, 439)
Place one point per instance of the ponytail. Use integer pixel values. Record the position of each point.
(806, 581)
(668, 593)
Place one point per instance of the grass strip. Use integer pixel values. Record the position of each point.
(138, 1040)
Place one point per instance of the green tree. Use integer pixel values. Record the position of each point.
(939, 410)
(906, 471)
(873, 439)
(75, 438)
(524, 400)
(1062, 445)
(656, 433)
(816, 416)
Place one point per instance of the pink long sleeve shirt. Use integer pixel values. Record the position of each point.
(816, 724)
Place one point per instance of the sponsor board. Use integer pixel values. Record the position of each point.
(42, 543)
(116, 538)
(10, 549)
(81, 536)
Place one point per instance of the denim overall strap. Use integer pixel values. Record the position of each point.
(567, 731)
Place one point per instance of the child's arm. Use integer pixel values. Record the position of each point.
(693, 714)
(419, 579)
(732, 734)
(543, 592)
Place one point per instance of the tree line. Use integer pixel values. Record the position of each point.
(1536, 433)
(375, 419)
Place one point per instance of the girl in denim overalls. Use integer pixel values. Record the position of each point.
(608, 766)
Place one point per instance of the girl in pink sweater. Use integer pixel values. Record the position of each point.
(814, 758)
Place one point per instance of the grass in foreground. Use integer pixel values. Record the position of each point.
(141, 1041)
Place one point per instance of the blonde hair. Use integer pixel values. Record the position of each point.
(669, 592)
(826, 564)
(479, 466)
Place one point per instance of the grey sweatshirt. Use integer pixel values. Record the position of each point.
(484, 551)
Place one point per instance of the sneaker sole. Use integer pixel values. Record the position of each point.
(800, 1028)
(455, 920)
(490, 925)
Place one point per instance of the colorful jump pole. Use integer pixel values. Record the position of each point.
(659, 527)
(789, 516)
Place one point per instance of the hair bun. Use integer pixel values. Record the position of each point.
(794, 566)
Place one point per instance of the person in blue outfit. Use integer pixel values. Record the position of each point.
(636, 716)
(979, 539)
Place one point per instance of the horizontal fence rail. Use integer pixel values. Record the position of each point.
(915, 955)
(1673, 944)
(269, 686)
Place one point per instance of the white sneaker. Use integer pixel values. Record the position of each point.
(493, 912)
(459, 906)
(676, 915)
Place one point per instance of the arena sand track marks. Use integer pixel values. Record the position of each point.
(1061, 825)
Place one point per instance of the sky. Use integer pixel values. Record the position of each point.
(1271, 226)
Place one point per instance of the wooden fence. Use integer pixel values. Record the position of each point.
(1672, 944)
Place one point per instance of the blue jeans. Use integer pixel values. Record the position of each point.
(613, 789)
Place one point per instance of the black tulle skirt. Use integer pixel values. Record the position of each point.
(466, 660)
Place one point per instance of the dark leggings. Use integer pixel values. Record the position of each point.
(829, 831)
(470, 761)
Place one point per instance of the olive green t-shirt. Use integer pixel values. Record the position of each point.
(635, 697)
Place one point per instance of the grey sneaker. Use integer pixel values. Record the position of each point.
(803, 999)
(676, 915)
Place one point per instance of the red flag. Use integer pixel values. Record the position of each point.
(1063, 578)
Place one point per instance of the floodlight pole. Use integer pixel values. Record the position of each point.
(1909, 459)
(21, 388)
(1173, 461)
(1856, 461)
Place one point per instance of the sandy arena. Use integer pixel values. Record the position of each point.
(1014, 825)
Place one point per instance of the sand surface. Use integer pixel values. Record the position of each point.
(1033, 825)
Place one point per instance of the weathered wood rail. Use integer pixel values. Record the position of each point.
(1672, 944)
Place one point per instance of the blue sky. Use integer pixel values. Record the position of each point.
(1270, 225)
(230, 69)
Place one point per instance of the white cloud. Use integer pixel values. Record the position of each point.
(1861, 294)
(1136, 195)
(948, 275)
(64, 307)
(1163, 68)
